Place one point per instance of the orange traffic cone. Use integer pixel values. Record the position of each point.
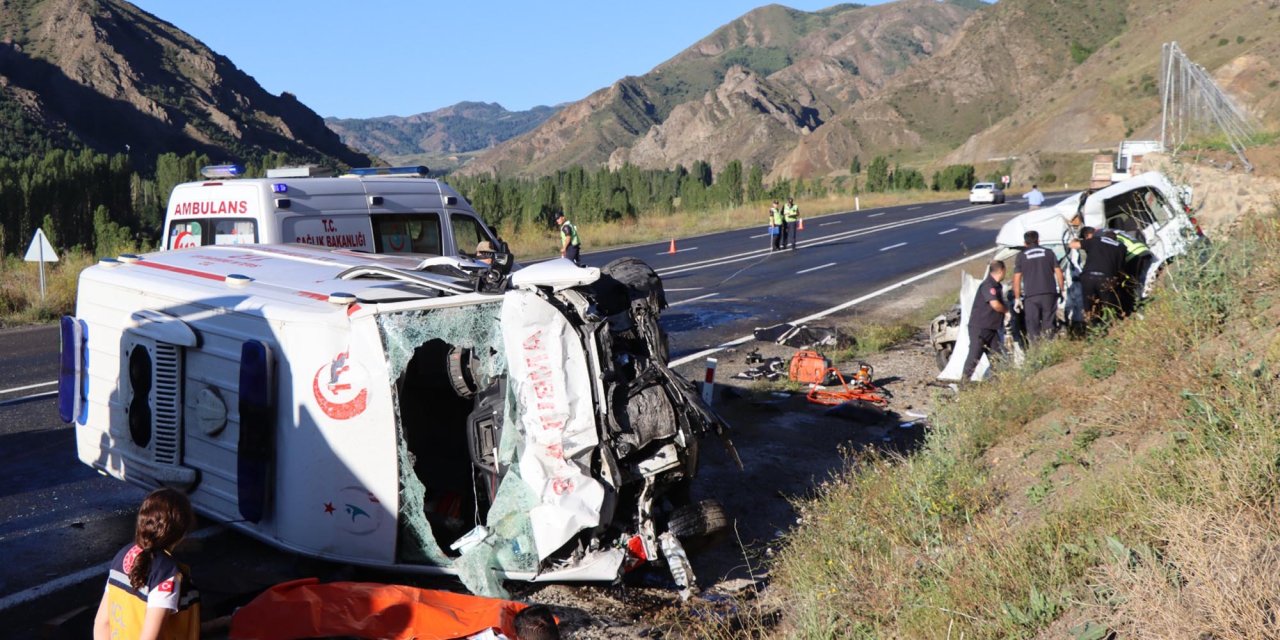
(800, 227)
(673, 246)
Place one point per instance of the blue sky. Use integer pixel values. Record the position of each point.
(401, 57)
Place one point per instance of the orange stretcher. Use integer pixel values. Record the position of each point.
(308, 609)
(861, 389)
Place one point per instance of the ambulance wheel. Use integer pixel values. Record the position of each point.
(704, 520)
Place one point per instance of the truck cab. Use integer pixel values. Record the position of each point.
(396, 210)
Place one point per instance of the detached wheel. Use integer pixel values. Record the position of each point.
(701, 520)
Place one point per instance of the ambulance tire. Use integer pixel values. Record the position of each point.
(702, 523)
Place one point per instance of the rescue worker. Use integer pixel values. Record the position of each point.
(1034, 198)
(484, 252)
(1099, 279)
(1037, 287)
(985, 318)
(790, 216)
(775, 226)
(1137, 260)
(570, 245)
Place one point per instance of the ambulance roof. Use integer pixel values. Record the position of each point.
(276, 280)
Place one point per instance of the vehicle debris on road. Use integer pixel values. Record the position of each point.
(802, 336)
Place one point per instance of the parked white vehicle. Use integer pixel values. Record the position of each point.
(435, 415)
(1148, 205)
(986, 193)
(393, 210)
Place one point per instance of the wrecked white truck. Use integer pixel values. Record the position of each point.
(1148, 206)
(436, 416)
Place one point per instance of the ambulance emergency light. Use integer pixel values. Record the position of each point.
(222, 171)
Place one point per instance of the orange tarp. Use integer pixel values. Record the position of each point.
(307, 609)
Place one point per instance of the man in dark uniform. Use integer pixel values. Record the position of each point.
(1100, 277)
(985, 319)
(1037, 283)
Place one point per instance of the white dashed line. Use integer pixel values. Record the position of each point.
(943, 233)
(21, 399)
(829, 264)
(668, 289)
(667, 253)
(912, 208)
(759, 236)
(703, 297)
(876, 214)
(830, 223)
(986, 219)
(894, 246)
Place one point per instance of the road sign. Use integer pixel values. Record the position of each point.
(1005, 180)
(41, 251)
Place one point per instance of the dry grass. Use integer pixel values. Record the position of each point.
(20, 301)
(1155, 486)
(653, 227)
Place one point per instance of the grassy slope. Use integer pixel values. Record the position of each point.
(1128, 481)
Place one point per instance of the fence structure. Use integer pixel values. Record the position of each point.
(1194, 105)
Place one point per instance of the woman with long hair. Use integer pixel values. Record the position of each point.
(149, 596)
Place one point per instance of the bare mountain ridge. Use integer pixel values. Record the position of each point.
(463, 127)
(110, 76)
(810, 63)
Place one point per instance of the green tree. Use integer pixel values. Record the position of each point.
(855, 167)
(755, 184)
(878, 175)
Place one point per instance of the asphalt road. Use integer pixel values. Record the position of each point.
(60, 521)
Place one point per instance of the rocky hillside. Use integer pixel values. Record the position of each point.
(750, 90)
(463, 127)
(1114, 93)
(107, 75)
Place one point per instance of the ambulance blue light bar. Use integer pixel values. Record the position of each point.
(222, 171)
(413, 170)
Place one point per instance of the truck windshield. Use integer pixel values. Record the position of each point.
(407, 233)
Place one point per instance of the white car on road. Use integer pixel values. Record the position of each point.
(986, 193)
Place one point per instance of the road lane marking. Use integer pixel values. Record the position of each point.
(758, 253)
(952, 229)
(703, 297)
(830, 223)
(877, 214)
(30, 386)
(829, 264)
(840, 307)
(894, 246)
(912, 208)
(986, 219)
(669, 290)
(759, 236)
(57, 584)
(34, 396)
(667, 253)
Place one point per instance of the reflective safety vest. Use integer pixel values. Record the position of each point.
(775, 216)
(791, 212)
(573, 234)
(1133, 247)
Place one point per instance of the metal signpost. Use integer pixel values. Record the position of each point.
(41, 251)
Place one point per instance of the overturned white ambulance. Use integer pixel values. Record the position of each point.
(419, 415)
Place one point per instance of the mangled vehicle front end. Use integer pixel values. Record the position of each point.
(401, 417)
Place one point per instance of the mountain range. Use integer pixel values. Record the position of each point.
(800, 94)
(106, 75)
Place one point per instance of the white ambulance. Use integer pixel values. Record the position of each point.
(393, 210)
(432, 415)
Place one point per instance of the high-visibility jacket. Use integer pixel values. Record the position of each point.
(572, 234)
(775, 216)
(1133, 247)
(791, 213)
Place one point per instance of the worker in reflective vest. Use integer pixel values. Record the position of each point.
(775, 226)
(790, 216)
(570, 245)
(1137, 261)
